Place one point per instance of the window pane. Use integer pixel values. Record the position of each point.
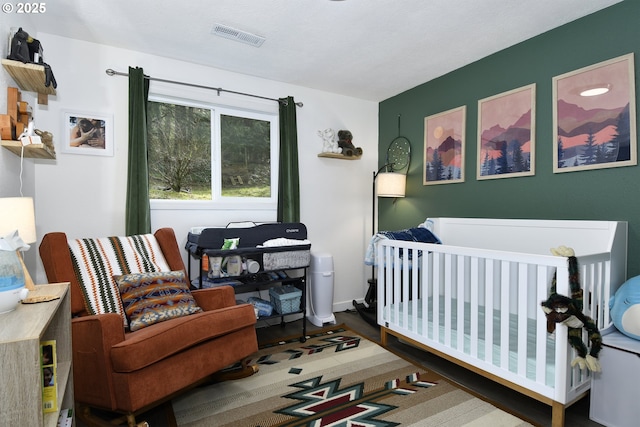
(246, 157)
(179, 140)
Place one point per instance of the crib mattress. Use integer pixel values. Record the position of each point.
(513, 339)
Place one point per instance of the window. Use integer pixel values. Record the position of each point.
(201, 153)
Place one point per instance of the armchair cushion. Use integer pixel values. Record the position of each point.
(147, 346)
(97, 260)
(150, 298)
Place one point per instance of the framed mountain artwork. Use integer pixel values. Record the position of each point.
(506, 134)
(444, 147)
(594, 117)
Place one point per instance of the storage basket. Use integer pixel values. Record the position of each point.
(286, 259)
(286, 299)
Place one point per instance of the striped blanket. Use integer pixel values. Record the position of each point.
(96, 261)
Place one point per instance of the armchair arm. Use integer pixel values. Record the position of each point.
(92, 339)
(56, 259)
(215, 298)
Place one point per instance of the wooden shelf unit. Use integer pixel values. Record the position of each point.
(20, 373)
(30, 77)
(32, 151)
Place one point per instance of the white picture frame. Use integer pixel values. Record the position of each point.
(87, 133)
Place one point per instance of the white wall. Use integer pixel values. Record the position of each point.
(10, 164)
(85, 195)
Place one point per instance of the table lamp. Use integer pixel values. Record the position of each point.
(16, 214)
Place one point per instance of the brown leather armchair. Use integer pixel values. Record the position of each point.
(131, 372)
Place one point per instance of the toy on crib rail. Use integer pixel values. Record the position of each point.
(344, 141)
(329, 143)
(625, 308)
(568, 310)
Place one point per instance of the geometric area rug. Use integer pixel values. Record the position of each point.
(336, 378)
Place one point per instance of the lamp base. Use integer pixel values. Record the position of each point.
(368, 314)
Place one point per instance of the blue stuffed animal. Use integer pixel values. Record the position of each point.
(625, 308)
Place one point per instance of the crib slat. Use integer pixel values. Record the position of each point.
(397, 286)
(474, 289)
(426, 293)
(448, 283)
(404, 288)
(415, 293)
(505, 297)
(521, 295)
(541, 326)
(437, 292)
(488, 311)
(460, 302)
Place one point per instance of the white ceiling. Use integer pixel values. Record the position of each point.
(368, 49)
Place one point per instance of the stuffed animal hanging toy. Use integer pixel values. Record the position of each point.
(562, 309)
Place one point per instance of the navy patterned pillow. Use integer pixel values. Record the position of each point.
(149, 298)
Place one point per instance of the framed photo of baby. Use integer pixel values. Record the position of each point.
(87, 133)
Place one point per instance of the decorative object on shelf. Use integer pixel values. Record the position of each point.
(444, 142)
(18, 117)
(18, 132)
(345, 138)
(28, 50)
(25, 63)
(506, 134)
(343, 149)
(17, 231)
(88, 133)
(594, 117)
(329, 143)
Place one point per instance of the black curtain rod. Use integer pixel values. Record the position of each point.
(111, 72)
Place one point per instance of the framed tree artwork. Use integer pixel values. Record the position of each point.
(594, 118)
(506, 134)
(444, 147)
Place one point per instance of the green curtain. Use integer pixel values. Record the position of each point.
(138, 212)
(289, 177)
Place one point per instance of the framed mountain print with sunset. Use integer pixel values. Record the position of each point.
(506, 134)
(594, 117)
(444, 147)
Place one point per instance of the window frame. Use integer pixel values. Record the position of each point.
(218, 202)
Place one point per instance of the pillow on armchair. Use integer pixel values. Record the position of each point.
(149, 298)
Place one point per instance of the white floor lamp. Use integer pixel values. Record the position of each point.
(389, 184)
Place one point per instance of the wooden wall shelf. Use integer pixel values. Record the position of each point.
(339, 156)
(33, 151)
(30, 77)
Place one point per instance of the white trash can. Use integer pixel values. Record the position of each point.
(321, 285)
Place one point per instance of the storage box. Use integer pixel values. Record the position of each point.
(287, 259)
(614, 391)
(286, 299)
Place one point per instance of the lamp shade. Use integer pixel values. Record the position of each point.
(391, 184)
(17, 213)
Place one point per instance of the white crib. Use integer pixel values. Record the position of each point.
(475, 299)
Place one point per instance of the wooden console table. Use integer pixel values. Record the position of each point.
(20, 374)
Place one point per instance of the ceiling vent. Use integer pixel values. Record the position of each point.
(237, 35)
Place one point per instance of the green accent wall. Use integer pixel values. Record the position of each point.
(605, 194)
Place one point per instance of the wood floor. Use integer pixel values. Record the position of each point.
(529, 409)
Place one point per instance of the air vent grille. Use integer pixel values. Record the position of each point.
(237, 35)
